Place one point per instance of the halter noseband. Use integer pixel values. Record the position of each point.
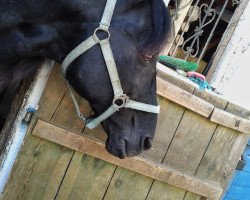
(120, 100)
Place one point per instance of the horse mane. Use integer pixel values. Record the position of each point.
(13, 73)
(155, 39)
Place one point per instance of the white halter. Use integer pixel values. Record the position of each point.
(120, 100)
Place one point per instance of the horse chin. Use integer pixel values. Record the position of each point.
(126, 143)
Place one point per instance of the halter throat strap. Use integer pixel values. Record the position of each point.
(120, 100)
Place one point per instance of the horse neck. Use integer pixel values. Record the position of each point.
(13, 13)
(35, 28)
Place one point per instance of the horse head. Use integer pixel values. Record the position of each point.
(138, 31)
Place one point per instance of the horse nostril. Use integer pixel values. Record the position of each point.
(147, 143)
(117, 149)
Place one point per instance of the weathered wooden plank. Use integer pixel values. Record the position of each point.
(202, 107)
(169, 191)
(174, 78)
(86, 175)
(224, 142)
(230, 120)
(38, 171)
(238, 110)
(87, 178)
(40, 164)
(161, 191)
(65, 115)
(184, 98)
(54, 91)
(192, 196)
(212, 98)
(188, 146)
(97, 149)
(223, 152)
(168, 121)
(190, 142)
(127, 185)
(228, 146)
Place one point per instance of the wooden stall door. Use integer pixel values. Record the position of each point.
(181, 165)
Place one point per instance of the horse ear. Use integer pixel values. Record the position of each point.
(138, 21)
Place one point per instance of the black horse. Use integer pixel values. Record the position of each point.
(33, 29)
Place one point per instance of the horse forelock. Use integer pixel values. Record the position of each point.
(156, 38)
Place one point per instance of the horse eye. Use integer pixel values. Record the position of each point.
(147, 57)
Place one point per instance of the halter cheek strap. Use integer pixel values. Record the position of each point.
(120, 100)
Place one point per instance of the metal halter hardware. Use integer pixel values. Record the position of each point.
(120, 100)
(123, 101)
(101, 29)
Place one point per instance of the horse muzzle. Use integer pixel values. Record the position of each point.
(122, 148)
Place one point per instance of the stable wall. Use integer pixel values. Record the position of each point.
(232, 74)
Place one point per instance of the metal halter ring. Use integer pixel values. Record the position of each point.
(121, 101)
(101, 29)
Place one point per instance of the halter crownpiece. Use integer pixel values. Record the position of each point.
(120, 100)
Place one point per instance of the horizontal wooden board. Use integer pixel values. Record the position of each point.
(202, 107)
(174, 78)
(230, 120)
(136, 164)
(184, 98)
(212, 98)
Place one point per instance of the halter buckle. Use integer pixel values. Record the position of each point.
(120, 101)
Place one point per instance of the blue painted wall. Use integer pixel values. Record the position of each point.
(240, 186)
